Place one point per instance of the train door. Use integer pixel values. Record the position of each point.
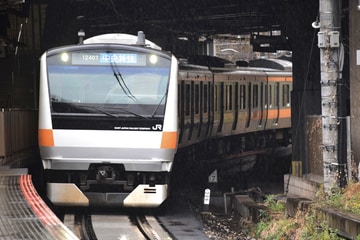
(229, 117)
(265, 103)
(255, 111)
(192, 109)
(277, 102)
(249, 107)
(270, 96)
(242, 106)
(285, 112)
(181, 109)
(236, 107)
(261, 104)
(198, 106)
(205, 107)
(221, 107)
(210, 106)
(286, 95)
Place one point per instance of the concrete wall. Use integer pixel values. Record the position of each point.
(354, 36)
(314, 144)
(18, 136)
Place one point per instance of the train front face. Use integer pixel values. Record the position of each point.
(108, 124)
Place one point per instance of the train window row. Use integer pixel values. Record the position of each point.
(235, 96)
(259, 96)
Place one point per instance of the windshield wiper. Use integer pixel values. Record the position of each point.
(99, 110)
(114, 114)
(121, 81)
(158, 105)
(133, 113)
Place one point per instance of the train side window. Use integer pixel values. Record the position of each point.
(286, 95)
(242, 97)
(262, 95)
(206, 98)
(187, 99)
(266, 92)
(228, 97)
(270, 96)
(215, 98)
(197, 98)
(255, 96)
(236, 96)
(201, 97)
(277, 93)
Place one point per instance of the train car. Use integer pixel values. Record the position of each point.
(252, 103)
(110, 121)
(108, 125)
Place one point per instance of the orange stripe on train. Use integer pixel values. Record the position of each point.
(46, 138)
(279, 79)
(273, 113)
(169, 140)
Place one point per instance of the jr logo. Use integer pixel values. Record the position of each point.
(157, 127)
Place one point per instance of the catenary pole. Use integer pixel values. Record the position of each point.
(331, 102)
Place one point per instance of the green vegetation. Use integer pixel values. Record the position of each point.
(307, 223)
(347, 200)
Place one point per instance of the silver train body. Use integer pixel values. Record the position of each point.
(108, 126)
(110, 121)
(244, 101)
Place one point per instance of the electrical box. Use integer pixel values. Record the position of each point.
(321, 40)
(334, 39)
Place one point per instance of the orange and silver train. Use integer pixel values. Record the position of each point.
(248, 102)
(110, 121)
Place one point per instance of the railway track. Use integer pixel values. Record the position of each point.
(122, 226)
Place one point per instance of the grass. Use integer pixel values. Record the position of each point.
(347, 199)
(306, 224)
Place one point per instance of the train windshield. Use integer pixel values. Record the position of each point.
(108, 83)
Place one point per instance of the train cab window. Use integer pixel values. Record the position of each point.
(206, 99)
(255, 96)
(88, 81)
(242, 97)
(187, 99)
(228, 97)
(286, 95)
(197, 99)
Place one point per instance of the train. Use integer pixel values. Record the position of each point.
(115, 109)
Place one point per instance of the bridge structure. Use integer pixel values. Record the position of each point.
(29, 27)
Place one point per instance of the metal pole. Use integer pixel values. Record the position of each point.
(329, 44)
(348, 149)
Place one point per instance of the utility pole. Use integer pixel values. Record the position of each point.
(333, 123)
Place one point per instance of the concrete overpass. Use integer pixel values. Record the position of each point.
(53, 23)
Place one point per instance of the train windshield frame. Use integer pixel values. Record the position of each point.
(113, 83)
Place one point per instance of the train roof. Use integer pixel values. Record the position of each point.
(209, 61)
(275, 64)
(218, 64)
(260, 72)
(119, 38)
